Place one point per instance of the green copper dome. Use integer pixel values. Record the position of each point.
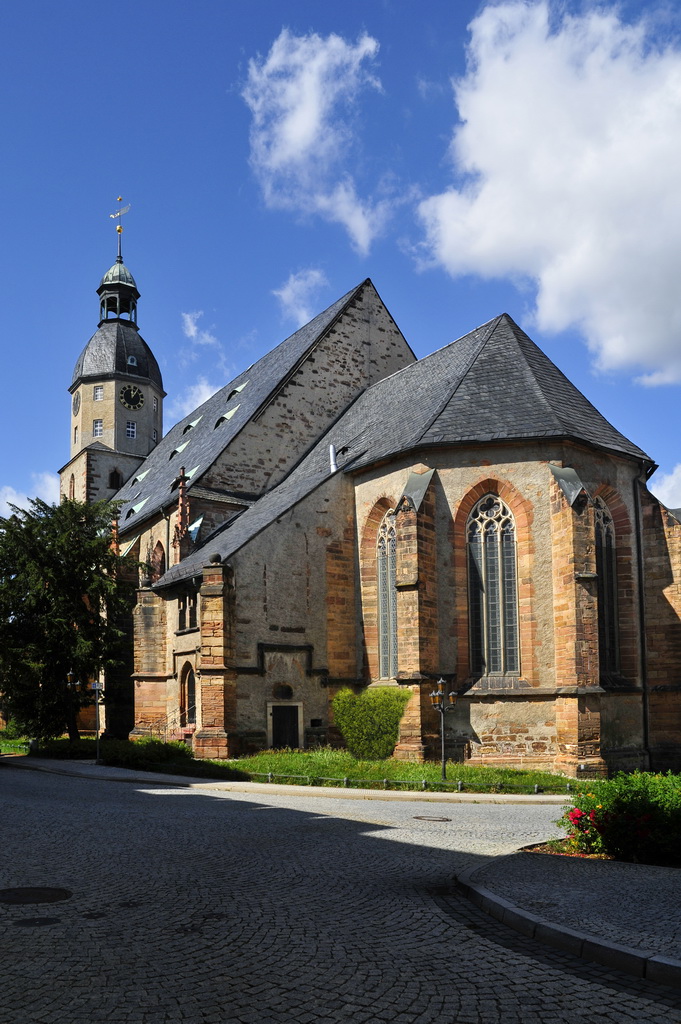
(118, 274)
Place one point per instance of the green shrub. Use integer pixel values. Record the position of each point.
(13, 731)
(369, 722)
(136, 755)
(118, 752)
(633, 817)
(67, 750)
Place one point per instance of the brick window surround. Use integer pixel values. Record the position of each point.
(369, 583)
(624, 560)
(522, 513)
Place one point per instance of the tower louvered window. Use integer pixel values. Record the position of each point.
(386, 551)
(606, 569)
(493, 589)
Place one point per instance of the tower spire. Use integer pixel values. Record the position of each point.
(119, 227)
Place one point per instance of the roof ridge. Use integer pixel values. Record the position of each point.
(536, 386)
(562, 421)
(492, 324)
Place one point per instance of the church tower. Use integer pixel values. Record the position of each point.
(117, 395)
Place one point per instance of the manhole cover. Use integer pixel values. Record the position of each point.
(17, 897)
(424, 817)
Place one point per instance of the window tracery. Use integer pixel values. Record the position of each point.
(492, 588)
(386, 564)
(606, 570)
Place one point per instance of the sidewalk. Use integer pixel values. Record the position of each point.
(624, 916)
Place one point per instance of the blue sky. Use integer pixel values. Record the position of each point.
(470, 158)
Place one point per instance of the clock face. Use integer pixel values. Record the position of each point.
(76, 403)
(131, 397)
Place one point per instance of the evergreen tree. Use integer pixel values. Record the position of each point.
(63, 593)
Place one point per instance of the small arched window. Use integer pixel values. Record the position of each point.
(158, 562)
(115, 480)
(606, 569)
(72, 487)
(188, 697)
(386, 564)
(492, 588)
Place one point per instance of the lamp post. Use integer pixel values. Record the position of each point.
(437, 699)
(97, 686)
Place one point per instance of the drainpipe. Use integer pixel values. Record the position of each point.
(167, 522)
(645, 707)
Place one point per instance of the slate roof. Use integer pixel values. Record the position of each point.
(492, 384)
(238, 401)
(498, 385)
(107, 351)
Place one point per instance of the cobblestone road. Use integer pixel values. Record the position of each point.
(208, 908)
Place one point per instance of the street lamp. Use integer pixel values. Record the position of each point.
(97, 686)
(437, 699)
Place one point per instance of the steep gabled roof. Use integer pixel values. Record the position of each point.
(492, 384)
(196, 442)
(512, 390)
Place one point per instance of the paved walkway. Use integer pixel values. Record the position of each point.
(329, 909)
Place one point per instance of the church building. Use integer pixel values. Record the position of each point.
(342, 514)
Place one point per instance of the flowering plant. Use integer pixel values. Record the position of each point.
(634, 817)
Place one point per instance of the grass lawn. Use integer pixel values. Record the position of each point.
(321, 766)
(13, 746)
(325, 766)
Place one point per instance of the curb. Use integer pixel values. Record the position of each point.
(187, 781)
(662, 970)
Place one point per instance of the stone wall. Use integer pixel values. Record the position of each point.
(363, 346)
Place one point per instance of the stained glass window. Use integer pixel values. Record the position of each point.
(387, 597)
(606, 569)
(492, 587)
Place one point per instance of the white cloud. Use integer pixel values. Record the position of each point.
(296, 293)
(45, 486)
(193, 397)
(300, 142)
(192, 331)
(566, 166)
(668, 487)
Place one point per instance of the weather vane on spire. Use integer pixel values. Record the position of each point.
(119, 227)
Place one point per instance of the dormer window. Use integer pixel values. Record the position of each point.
(132, 360)
(226, 416)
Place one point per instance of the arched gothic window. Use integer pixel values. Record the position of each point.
(387, 597)
(492, 586)
(188, 697)
(158, 561)
(72, 487)
(606, 569)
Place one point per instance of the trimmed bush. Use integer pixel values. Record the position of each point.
(634, 817)
(118, 752)
(369, 721)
